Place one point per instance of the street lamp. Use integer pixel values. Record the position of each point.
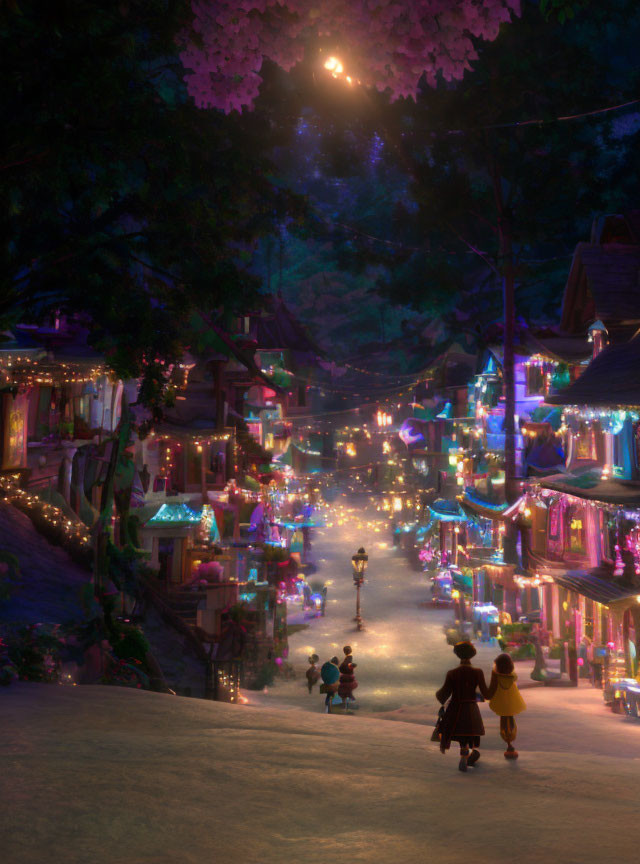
(359, 564)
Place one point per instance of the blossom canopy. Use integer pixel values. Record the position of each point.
(391, 43)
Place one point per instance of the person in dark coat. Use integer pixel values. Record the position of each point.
(348, 681)
(462, 721)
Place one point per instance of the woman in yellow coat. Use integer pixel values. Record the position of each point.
(506, 701)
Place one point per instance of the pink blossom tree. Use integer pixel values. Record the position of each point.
(391, 45)
(386, 44)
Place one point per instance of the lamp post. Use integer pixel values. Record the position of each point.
(359, 564)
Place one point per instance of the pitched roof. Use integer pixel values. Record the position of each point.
(279, 328)
(603, 283)
(611, 379)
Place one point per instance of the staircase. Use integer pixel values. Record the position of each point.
(185, 604)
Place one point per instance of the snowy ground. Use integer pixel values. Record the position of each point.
(99, 775)
(96, 775)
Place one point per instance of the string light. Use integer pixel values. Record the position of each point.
(74, 531)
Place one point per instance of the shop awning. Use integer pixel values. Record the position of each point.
(593, 586)
(175, 514)
(447, 511)
(590, 486)
(462, 581)
(478, 506)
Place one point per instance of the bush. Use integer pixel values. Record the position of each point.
(516, 629)
(556, 651)
(34, 652)
(8, 671)
(131, 644)
(526, 651)
(265, 676)
(123, 674)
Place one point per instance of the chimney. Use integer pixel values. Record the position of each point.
(598, 335)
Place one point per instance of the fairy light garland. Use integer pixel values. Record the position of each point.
(56, 517)
(21, 371)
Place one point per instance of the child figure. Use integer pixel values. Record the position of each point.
(348, 681)
(330, 674)
(506, 701)
(313, 673)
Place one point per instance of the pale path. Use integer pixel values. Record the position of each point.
(402, 655)
(98, 775)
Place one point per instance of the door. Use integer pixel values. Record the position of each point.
(166, 553)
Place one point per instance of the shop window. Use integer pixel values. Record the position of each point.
(82, 408)
(585, 443)
(536, 380)
(166, 546)
(618, 454)
(244, 325)
(577, 533)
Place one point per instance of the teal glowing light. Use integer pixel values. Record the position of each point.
(174, 514)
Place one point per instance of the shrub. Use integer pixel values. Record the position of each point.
(131, 644)
(265, 676)
(34, 652)
(515, 629)
(556, 651)
(526, 651)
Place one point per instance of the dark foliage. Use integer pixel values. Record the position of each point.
(119, 199)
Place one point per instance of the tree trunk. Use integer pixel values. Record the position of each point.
(107, 499)
(507, 270)
(508, 368)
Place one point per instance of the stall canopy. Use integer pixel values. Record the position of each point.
(591, 584)
(447, 511)
(463, 581)
(475, 504)
(590, 486)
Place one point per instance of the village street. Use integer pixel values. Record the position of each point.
(403, 655)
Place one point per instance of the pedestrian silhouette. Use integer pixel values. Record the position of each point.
(330, 674)
(506, 701)
(348, 681)
(462, 721)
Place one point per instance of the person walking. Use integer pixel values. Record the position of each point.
(462, 721)
(330, 674)
(505, 701)
(313, 673)
(348, 681)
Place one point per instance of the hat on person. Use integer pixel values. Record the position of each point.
(464, 650)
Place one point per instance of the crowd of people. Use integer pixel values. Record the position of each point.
(338, 679)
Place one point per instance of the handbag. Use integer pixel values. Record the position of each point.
(435, 735)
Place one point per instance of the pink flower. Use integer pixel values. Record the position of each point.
(389, 44)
